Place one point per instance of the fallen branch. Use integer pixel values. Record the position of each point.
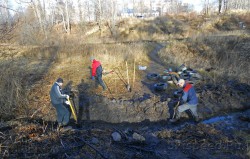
(91, 146)
(55, 155)
(37, 111)
(145, 150)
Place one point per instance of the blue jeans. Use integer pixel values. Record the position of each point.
(63, 114)
(100, 81)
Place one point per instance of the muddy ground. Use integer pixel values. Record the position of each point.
(220, 137)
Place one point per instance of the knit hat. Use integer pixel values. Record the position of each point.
(59, 80)
(92, 58)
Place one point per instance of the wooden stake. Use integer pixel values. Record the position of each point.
(115, 86)
(134, 75)
(128, 86)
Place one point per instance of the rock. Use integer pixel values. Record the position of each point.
(138, 137)
(148, 101)
(116, 136)
(105, 100)
(94, 140)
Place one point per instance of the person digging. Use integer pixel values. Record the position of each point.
(189, 100)
(97, 73)
(59, 101)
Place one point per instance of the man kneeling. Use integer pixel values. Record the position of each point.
(189, 99)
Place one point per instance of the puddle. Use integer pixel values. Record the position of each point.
(217, 119)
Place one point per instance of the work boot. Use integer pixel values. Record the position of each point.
(59, 127)
(173, 120)
(104, 89)
(66, 128)
(197, 119)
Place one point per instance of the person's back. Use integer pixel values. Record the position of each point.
(97, 73)
(56, 96)
(95, 65)
(191, 94)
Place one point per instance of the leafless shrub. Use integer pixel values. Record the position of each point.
(20, 68)
(6, 32)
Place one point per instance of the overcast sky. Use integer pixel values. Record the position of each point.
(197, 4)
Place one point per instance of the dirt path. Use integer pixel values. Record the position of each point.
(156, 65)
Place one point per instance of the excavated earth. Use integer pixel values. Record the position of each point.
(138, 127)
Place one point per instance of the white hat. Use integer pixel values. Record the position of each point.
(181, 81)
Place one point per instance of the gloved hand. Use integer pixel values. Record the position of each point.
(93, 78)
(67, 102)
(67, 96)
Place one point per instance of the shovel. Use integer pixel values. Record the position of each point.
(122, 79)
(128, 85)
(106, 73)
(175, 109)
(72, 110)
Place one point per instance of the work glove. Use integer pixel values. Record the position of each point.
(67, 102)
(93, 78)
(67, 96)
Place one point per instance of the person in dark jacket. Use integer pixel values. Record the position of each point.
(97, 73)
(189, 99)
(59, 101)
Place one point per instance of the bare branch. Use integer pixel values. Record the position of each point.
(1, 6)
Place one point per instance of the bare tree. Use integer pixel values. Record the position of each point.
(40, 10)
(88, 9)
(110, 11)
(64, 12)
(80, 10)
(67, 17)
(98, 6)
(219, 7)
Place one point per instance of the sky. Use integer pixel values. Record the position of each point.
(197, 4)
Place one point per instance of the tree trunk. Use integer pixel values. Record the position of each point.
(225, 5)
(40, 14)
(220, 5)
(100, 16)
(67, 17)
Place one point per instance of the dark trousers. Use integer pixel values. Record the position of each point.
(100, 81)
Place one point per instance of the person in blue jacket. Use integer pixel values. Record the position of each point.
(59, 101)
(189, 99)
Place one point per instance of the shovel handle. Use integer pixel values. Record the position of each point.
(73, 110)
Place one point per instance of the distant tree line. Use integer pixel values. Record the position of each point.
(41, 15)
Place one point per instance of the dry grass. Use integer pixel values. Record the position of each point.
(29, 71)
(19, 72)
(217, 43)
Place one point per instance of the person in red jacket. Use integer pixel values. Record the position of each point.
(97, 73)
(189, 100)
